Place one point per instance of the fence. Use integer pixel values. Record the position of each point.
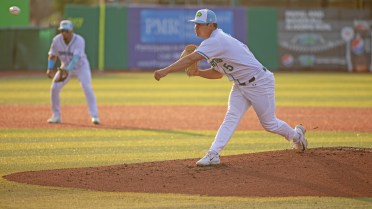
(25, 48)
(150, 37)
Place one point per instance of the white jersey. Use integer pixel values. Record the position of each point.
(230, 56)
(66, 52)
(81, 70)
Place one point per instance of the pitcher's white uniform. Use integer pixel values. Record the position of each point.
(82, 71)
(253, 86)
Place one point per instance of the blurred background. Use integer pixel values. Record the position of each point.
(124, 35)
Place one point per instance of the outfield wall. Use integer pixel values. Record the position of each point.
(25, 48)
(9, 20)
(150, 37)
(290, 39)
(326, 39)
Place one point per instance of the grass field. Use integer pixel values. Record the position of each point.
(40, 149)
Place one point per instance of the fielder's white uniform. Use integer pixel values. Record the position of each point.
(253, 86)
(65, 52)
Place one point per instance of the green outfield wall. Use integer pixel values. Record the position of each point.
(116, 38)
(122, 37)
(25, 48)
(85, 20)
(9, 20)
(262, 35)
(22, 47)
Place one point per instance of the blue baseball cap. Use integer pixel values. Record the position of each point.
(204, 16)
(66, 25)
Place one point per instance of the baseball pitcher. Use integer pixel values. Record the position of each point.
(254, 85)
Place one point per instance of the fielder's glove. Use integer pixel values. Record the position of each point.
(188, 50)
(62, 75)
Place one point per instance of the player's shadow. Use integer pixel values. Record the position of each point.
(103, 126)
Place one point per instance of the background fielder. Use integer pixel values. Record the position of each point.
(69, 48)
(253, 84)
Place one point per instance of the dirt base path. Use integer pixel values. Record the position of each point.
(344, 172)
(182, 117)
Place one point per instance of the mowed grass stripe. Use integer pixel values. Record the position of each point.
(95, 158)
(167, 145)
(43, 138)
(292, 89)
(87, 135)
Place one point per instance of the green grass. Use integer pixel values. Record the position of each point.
(39, 149)
(292, 89)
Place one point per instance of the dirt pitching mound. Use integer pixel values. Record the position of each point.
(339, 172)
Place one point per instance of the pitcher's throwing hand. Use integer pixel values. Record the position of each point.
(158, 74)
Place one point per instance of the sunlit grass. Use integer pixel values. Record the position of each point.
(292, 89)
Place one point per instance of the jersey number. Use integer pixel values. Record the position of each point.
(228, 67)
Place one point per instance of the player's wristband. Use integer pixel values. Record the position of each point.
(73, 62)
(51, 64)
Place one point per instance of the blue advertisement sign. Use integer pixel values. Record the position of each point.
(157, 35)
(172, 26)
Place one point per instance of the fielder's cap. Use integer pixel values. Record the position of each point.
(66, 25)
(204, 16)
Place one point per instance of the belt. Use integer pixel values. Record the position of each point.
(251, 80)
(248, 82)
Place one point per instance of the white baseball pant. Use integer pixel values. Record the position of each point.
(259, 94)
(84, 76)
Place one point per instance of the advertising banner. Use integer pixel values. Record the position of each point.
(325, 39)
(157, 36)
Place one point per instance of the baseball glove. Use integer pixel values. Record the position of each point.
(188, 50)
(62, 75)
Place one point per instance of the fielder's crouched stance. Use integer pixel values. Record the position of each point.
(254, 85)
(69, 48)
